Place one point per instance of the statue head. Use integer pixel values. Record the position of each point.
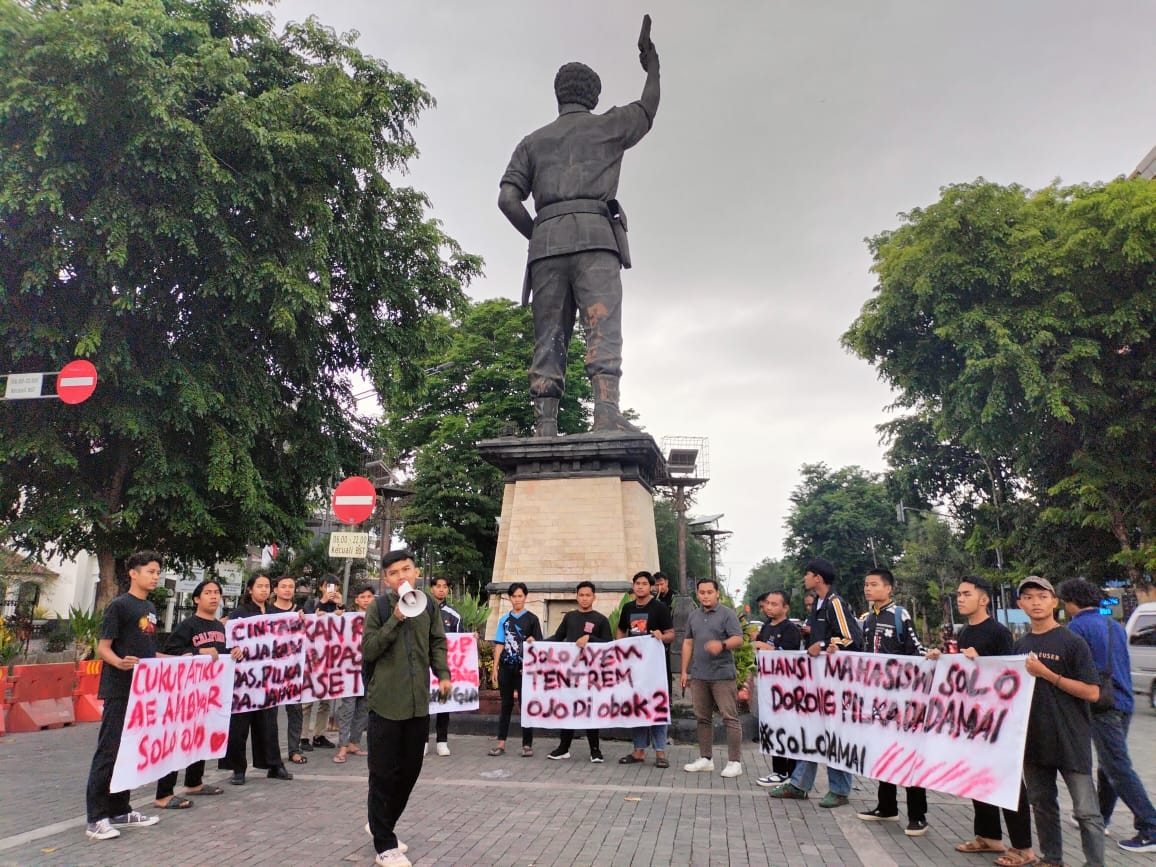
(577, 83)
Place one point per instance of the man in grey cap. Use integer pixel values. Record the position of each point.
(1059, 735)
(578, 234)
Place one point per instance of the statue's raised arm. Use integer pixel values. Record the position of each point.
(648, 57)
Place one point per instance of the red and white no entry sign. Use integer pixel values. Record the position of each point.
(353, 500)
(76, 381)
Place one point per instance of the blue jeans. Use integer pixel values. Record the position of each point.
(1116, 776)
(643, 735)
(1045, 800)
(839, 782)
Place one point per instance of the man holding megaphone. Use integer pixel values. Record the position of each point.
(404, 639)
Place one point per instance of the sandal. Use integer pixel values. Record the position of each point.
(977, 845)
(661, 762)
(631, 759)
(339, 758)
(527, 752)
(356, 751)
(176, 802)
(1015, 858)
(206, 790)
(296, 758)
(497, 751)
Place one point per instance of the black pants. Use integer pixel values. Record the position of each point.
(1018, 821)
(194, 776)
(262, 724)
(101, 803)
(442, 727)
(589, 284)
(916, 801)
(783, 765)
(509, 682)
(566, 737)
(395, 758)
(293, 721)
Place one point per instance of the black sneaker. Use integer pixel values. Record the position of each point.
(916, 828)
(321, 742)
(238, 778)
(558, 754)
(596, 757)
(878, 815)
(306, 745)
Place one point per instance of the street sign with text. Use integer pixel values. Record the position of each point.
(353, 545)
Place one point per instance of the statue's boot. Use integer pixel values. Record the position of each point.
(607, 416)
(545, 416)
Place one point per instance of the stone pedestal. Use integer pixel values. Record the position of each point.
(575, 508)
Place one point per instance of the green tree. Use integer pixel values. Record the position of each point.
(697, 553)
(475, 388)
(201, 206)
(846, 516)
(770, 574)
(934, 559)
(1019, 324)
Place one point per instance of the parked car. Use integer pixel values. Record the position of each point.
(1141, 630)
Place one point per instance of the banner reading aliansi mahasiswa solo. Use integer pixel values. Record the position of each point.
(178, 713)
(291, 658)
(619, 684)
(954, 725)
(462, 656)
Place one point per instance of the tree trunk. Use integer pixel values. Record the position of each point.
(107, 588)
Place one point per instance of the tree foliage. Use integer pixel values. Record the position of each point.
(840, 515)
(202, 206)
(771, 574)
(475, 388)
(1018, 326)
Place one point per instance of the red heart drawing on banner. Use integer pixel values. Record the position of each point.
(217, 740)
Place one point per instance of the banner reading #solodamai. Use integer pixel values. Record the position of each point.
(955, 725)
(178, 713)
(617, 684)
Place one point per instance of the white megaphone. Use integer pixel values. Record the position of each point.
(411, 602)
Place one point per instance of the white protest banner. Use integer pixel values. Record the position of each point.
(271, 672)
(178, 713)
(332, 656)
(620, 684)
(955, 725)
(462, 655)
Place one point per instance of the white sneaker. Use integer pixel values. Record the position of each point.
(733, 769)
(772, 780)
(443, 748)
(392, 858)
(101, 830)
(702, 763)
(133, 820)
(400, 845)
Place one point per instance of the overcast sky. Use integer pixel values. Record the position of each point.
(787, 133)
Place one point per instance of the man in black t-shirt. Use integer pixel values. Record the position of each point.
(777, 633)
(581, 627)
(1060, 725)
(127, 635)
(983, 636)
(645, 615)
(439, 589)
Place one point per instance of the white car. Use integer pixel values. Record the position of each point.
(1141, 630)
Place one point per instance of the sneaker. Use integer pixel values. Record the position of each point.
(702, 763)
(733, 769)
(878, 815)
(1139, 843)
(915, 828)
(443, 748)
(323, 743)
(101, 830)
(558, 754)
(400, 845)
(830, 800)
(306, 745)
(133, 820)
(392, 858)
(596, 757)
(771, 780)
(789, 792)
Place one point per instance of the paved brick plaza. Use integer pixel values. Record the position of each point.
(473, 810)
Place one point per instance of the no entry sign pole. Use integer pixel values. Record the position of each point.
(353, 502)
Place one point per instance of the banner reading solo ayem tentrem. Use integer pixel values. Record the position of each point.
(617, 684)
(955, 725)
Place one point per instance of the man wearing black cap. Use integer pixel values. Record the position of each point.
(1060, 724)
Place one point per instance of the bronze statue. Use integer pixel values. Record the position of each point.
(578, 234)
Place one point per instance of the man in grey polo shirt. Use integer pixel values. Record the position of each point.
(578, 234)
(708, 664)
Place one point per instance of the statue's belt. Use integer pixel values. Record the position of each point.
(573, 206)
(611, 211)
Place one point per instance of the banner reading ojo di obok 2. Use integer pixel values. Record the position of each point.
(955, 725)
(618, 684)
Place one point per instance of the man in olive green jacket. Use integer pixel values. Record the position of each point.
(399, 651)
